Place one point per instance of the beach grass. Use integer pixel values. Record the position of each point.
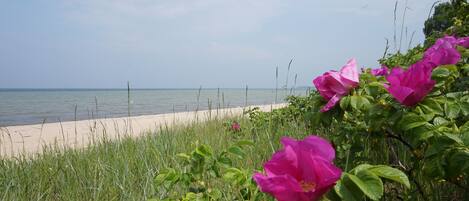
(126, 169)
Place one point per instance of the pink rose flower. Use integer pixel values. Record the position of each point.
(444, 51)
(411, 86)
(302, 171)
(235, 126)
(380, 71)
(334, 85)
(464, 41)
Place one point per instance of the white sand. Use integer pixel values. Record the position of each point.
(30, 139)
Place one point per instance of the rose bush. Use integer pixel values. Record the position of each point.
(415, 118)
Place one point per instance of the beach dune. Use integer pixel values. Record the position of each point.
(31, 139)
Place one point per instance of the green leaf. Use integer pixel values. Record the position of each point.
(193, 197)
(359, 102)
(453, 137)
(452, 110)
(245, 143)
(370, 184)
(411, 120)
(465, 108)
(204, 151)
(458, 163)
(360, 168)
(354, 102)
(440, 72)
(236, 150)
(465, 68)
(225, 161)
(167, 175)
(183, 156)
(433, 167)
(391, 174)
(464, 131)
(440, 121)
(347, 192)
(231, 173)
(215, 194)
(439, 143)
(414, 125)
(432, 105)
(345, 102)
(235, 176)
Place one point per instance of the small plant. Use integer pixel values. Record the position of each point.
(202, 171)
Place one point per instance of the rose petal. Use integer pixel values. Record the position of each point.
(331, 103)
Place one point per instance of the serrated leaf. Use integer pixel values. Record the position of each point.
(370, 184)
(345, 193)
(391, 174)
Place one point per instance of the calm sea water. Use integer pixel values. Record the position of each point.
(20, 107)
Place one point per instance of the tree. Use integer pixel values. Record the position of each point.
(449, 18)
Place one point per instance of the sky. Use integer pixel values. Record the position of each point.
(192, 43)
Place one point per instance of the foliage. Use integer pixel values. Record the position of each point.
(428, 142)
(366, 181)
(449, 18)
(200, 170)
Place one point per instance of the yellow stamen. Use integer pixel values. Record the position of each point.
(307, 186)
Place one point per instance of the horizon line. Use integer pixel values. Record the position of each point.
(144, 88)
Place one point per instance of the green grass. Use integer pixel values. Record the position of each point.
(125, 170)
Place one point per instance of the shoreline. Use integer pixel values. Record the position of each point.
(33, 138)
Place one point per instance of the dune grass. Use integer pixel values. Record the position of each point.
(125, 170)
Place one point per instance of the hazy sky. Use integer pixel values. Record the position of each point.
(188, 43)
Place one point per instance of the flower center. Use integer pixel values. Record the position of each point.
(307, 186)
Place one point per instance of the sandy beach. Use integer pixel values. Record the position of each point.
(31, 139)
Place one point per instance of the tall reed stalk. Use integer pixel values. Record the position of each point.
(402, 25)
(246, 97)
(128, 98)
(198, 98)
(276, 84)
(394, 26)
(288, 75)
